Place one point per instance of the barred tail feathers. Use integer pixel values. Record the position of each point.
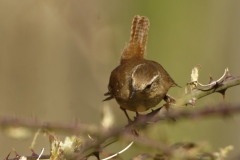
(138, 39)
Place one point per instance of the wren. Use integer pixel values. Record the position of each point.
(138, 84)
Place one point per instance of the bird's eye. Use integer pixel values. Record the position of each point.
(148, 86)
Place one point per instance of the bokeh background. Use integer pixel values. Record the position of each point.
(56, 58)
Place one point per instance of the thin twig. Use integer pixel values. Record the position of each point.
(40, 154)
(119, 152)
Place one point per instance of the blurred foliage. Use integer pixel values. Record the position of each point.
(56, 58)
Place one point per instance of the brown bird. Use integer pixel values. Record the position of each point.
(138, 84)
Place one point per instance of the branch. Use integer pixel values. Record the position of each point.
(34, 124)
(108, 136)
(113, 135)
(176, 113)
(220, 87)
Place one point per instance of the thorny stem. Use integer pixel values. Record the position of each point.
(197, 94)
(109, 136)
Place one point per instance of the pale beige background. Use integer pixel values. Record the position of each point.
(56, 58)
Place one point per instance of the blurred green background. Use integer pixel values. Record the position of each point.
(56, 58)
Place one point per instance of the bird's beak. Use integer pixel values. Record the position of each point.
(133, 92)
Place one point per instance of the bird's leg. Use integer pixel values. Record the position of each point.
(133, 130)
(137, 114)
(125, 112)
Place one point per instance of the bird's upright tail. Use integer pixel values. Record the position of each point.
(138, 39)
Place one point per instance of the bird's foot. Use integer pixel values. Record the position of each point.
(169, 99)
